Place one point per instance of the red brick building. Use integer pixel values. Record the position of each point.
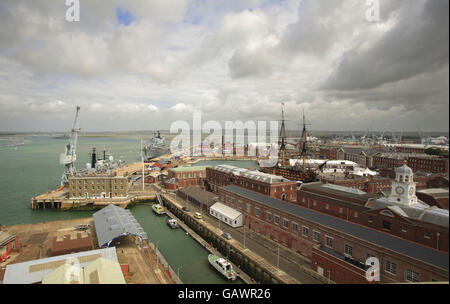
(328, 153)
(268, 184)
(375, 184)
(361, 155)
(338, 248)
(187, 176)
(417, 162)
(409, 149)
(364, 209)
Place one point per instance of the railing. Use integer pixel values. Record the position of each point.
(168, 268)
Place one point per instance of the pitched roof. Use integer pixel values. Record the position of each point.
(404, 247)
(31, 272)
(101, 271)
(112, 222)
(199, 194)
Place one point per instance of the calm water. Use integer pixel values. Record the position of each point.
(179, 249)
(33, 168)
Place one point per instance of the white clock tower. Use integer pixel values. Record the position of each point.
(403, 187)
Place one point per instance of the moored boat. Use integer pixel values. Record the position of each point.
(158, 209)
(223, 266)
(172, 223)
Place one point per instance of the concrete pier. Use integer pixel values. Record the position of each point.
(60, 200)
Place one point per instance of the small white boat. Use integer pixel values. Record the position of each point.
(158, 209)
(172, 223)
(223, 266)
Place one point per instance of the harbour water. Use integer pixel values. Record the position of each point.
(179, 249)
(33, 168)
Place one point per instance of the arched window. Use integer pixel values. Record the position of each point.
(387, 213)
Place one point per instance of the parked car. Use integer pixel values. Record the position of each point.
(185, 209)
(227, 236)
(198, 215)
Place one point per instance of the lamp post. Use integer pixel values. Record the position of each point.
(244, 236)
(278, 256)
(157, 256)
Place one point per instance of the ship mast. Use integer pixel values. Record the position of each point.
(303, 143)
(282, 142)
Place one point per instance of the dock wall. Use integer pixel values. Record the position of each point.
(252, 264)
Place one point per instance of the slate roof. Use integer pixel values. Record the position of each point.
(200, 195)
(33, 271)
(404, 247)
(112, 222)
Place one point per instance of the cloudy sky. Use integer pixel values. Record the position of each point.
(142, 64)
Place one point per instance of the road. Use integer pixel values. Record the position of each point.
(288, 261)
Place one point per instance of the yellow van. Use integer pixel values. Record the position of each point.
(198, 215)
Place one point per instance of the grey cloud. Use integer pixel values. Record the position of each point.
(418, 43)
(235, 64)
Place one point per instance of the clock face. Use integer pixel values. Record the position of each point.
(399, 190)
(411, 191)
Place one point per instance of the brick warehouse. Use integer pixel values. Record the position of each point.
(187, 176)
(417, 162)
(335, 245)
(357, 207)
(268, 184)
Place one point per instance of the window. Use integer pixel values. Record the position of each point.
(276, 219)
(329, 241)
(348, 250)
(370, 220)
(249, 208)
(314, 203)
(257, 211)
(404, 229)
(285, 223)
(269, 216)
(294, 227)
(327, 206)
(386, 225)
(427, 235)
(305, 231)
(356, 214)
(341, 210)
(391, 267)
(316, 236)
(240, 204)
(412, 276)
